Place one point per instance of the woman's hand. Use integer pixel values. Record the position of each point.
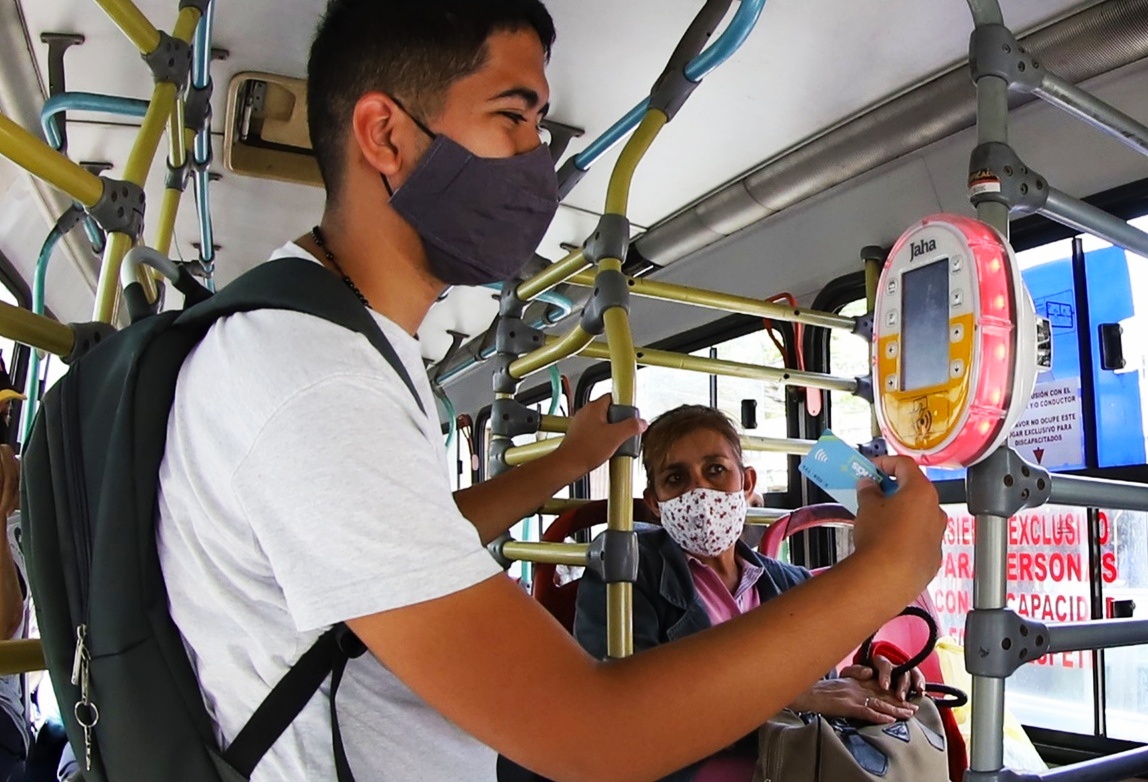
(858, 694)
(912, 681)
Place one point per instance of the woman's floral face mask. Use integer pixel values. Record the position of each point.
(704, 522)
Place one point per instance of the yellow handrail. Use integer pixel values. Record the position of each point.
(554, 351)
(575, 554)
(726, 302)
(521, 454)
(40, 160)
(22, 656)
(36, 331)
(618, 194)
(133, 23)
(552, 275)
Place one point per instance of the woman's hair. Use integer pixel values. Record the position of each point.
(671, 426)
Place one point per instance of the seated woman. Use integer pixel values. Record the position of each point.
(694, 572)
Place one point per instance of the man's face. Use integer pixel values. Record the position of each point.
(495, 112)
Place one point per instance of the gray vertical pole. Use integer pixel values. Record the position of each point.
(986, 751)
(992, 125)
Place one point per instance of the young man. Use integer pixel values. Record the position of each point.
(318, 494)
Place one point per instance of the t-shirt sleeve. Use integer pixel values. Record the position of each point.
(349, 502)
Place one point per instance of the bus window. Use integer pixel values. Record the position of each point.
(660, 389)
(1123, 537)
(7, 346)
(849, 357)
(1048, 580)
(530, 528)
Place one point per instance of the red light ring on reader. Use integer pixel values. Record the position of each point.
(994, 348)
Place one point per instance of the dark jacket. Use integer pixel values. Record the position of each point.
(667, 606)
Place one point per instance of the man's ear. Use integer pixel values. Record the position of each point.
(748, 481)
(651, 500)
(380, 133)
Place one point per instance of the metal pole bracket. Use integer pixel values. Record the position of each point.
(998, 175)
(611, 289)
(501, 379)
(170, 63)
(120, 208)
(613, 556)
(611, 239)
(995, 51)
(511, 418)
(510, 304)
(1004, 483)
(998, 641)
(87, 336)
(497, 456)
(177, 177)
(515, 338)
(197, 108)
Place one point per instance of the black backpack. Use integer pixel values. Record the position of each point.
(91, 474)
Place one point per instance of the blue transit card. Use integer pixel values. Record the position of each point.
(836, 466)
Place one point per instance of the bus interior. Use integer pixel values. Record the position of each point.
(734, 177)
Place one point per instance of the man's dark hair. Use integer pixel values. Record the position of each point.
(412, 50)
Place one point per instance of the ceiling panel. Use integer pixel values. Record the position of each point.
(807, 66)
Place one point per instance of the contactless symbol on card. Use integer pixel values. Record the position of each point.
(836, 466)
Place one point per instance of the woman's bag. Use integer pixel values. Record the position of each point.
(808, 747)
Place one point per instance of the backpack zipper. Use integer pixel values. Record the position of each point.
(86, 712)
(81, 521)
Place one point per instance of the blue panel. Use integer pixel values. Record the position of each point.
(1119, 422)
(1051, 287)
(1054, 297)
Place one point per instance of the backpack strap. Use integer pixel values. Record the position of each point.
(298, 285)
(328, 656)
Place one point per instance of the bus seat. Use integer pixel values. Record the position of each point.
(905, 632)
(559, 599)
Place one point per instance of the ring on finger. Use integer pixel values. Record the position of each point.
(867, 700)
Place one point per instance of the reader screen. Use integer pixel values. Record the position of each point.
(925, 326)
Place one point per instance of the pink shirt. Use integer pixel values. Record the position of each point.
(721, 606)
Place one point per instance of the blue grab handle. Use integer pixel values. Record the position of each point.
(742, 24)
(85, 101)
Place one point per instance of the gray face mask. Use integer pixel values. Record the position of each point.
(480, 219)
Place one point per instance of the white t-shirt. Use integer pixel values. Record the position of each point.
(301, 487)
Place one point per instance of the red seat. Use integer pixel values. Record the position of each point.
(905, 632)
(559, 599)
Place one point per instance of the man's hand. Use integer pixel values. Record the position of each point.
(9, 481)
(904, 529)
(591, 440)
(495, 505)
